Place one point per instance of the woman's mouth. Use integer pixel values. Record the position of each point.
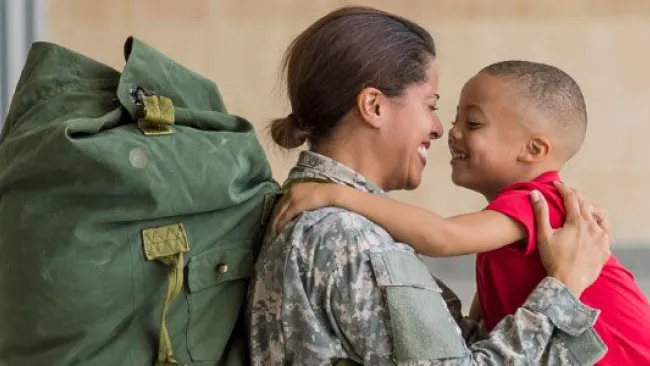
(423, 152)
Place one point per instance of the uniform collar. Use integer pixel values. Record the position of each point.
(314, 165)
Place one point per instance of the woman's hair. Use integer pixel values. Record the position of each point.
(333, 60)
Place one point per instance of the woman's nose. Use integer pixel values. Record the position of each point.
(437, 131)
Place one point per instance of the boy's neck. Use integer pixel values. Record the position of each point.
(526, 175)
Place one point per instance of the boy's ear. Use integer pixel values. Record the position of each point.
(535, 149)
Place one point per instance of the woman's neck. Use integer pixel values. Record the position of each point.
(355, 156)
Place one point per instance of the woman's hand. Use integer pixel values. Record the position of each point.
(575, 253)
(302, 197)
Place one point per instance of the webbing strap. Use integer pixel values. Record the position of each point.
(344, 362)
(167, 244)
(288, 184)
(267, 209)
(271, 199)
(158, 115)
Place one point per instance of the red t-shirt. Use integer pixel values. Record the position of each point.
(506, 276)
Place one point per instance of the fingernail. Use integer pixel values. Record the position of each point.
(535, 195)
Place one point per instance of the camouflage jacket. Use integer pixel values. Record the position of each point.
(333, 285)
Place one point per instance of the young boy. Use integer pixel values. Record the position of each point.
(517, 124)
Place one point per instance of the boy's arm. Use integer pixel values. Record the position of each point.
(429, 233)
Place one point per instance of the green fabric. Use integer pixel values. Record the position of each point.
(80, 184)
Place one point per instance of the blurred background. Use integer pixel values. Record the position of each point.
(603, 44)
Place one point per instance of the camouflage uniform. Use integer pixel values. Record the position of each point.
(333, 285)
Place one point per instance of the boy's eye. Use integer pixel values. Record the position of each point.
(473, 125)
(433, 108)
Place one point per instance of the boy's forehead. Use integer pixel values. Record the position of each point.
(483, 89)
(494, 98)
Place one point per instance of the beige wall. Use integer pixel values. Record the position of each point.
(604, 44)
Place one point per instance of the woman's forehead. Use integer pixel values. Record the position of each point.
(428, 89)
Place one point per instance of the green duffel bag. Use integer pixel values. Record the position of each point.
(132, 207)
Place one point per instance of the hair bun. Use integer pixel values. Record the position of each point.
(287, 132)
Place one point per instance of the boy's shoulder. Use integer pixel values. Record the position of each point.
(518, 194)
(514, 202)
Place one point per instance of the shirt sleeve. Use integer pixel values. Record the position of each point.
(517, 206)
(388, 312)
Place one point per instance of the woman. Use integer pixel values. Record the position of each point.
(363, 87)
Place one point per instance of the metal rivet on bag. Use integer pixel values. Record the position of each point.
(222, 268)
(139, 157)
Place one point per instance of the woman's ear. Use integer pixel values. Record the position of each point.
(536, 148)
(371, 106)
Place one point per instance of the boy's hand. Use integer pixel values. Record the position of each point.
(302, 197)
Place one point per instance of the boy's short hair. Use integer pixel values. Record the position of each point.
(554, 93)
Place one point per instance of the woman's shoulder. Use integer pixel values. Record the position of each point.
(327, 240)
(334, 217)
(331, 228)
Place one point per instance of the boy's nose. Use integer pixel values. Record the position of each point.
(454, 133)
